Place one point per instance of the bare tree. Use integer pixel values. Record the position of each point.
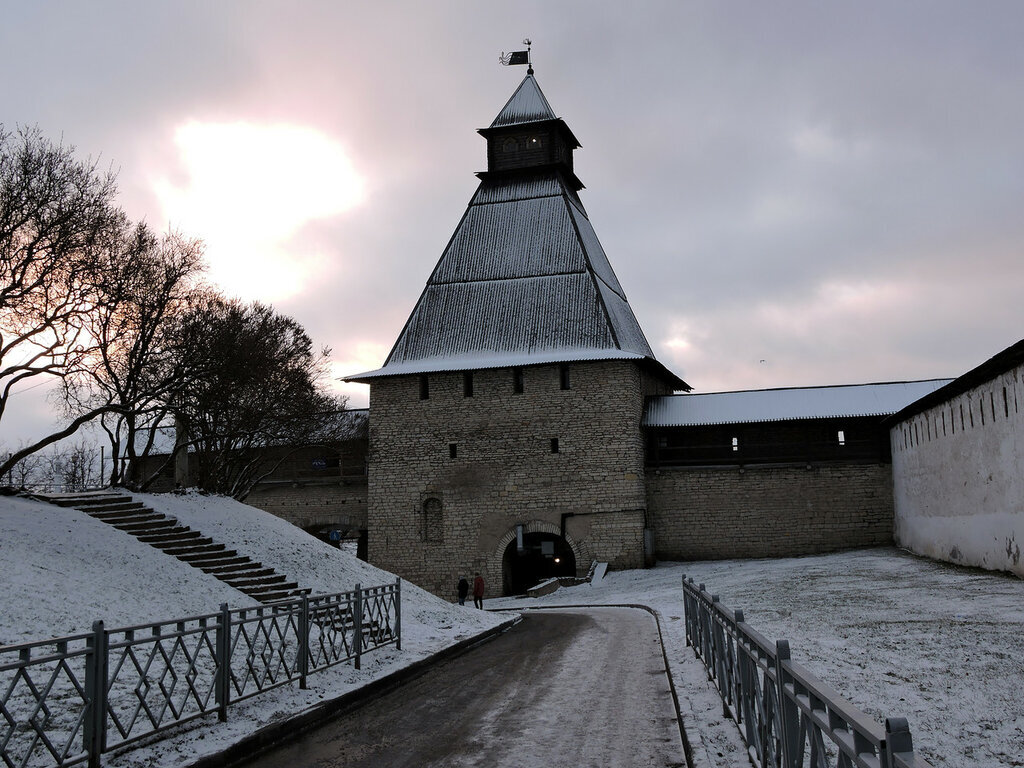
(56, 215)
(143, 286)
(72, 467)
(26, 472)
(254, 394)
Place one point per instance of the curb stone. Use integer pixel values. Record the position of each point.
(281, 732)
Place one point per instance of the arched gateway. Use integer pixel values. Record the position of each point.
(532, 552)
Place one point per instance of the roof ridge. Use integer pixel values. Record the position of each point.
(526, 105)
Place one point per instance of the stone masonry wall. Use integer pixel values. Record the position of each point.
(340, 505)
(768, 511)
(504, 472)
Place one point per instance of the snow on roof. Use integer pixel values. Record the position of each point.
(527, 105)
(786, 404)
(524, 280)
(482, 361)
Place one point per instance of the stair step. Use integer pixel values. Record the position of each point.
(203, 557)
(192, 547)
(127, 518)
(88, 501)
(142, 527)
(97, 510)
(256, 573)
(276, 580)
(227, 566)
(270, 597)
(181, 533)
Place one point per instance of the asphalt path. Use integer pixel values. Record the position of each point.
(581, 687)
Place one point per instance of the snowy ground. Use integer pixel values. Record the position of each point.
(62, 570)
(895, 634)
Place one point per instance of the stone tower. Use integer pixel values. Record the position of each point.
(505, 424)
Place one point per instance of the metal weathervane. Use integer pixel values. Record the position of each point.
(518, 57)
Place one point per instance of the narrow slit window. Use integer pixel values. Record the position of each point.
(453, 450)
(467, 384)
(554, 445)
(842, 437)
(424, 387)
(517, 381)
(563, 375)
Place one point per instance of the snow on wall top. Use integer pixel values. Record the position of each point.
(786, 404)
(527, 105)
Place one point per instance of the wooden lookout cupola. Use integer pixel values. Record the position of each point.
(526, 135)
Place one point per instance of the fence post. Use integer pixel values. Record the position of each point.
(897, 741)
(789, 715)
(357, 621)
(94, 731)
(398, 613)
(223, 650)
(303, 640)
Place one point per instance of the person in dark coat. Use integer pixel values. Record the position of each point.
(463, 589)
(478, 591)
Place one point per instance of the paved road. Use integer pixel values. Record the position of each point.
(573, 688)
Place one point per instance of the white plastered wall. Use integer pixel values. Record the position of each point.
(958, 477)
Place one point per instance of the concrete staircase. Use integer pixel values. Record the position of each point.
(165, 533)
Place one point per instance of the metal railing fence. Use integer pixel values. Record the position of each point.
(787, 717)
(67, 700)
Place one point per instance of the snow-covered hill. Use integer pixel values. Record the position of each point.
(62, 570)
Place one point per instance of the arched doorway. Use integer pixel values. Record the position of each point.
(542, 556)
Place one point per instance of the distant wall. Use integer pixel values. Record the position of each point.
(340, 505)
(958, 477)
(768, 510)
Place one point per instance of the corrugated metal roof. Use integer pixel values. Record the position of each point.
(523, 278)
(526, 238)
(527, 105)
(527, 315)
(519, 188)
(786, 404)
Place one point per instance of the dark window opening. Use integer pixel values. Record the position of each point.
(554, 445)
(467, 384)
(517, 381)
(453, 450)
(563, 374)
(1006, 404)
(424, 387)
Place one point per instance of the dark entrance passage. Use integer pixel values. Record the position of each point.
(542, 556)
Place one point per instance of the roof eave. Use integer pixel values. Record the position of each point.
(556, 121)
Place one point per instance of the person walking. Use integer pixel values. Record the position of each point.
(478, 591)
(463, 590)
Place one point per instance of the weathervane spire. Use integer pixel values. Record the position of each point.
(518, 57)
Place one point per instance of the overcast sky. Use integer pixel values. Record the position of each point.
(790, 193)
